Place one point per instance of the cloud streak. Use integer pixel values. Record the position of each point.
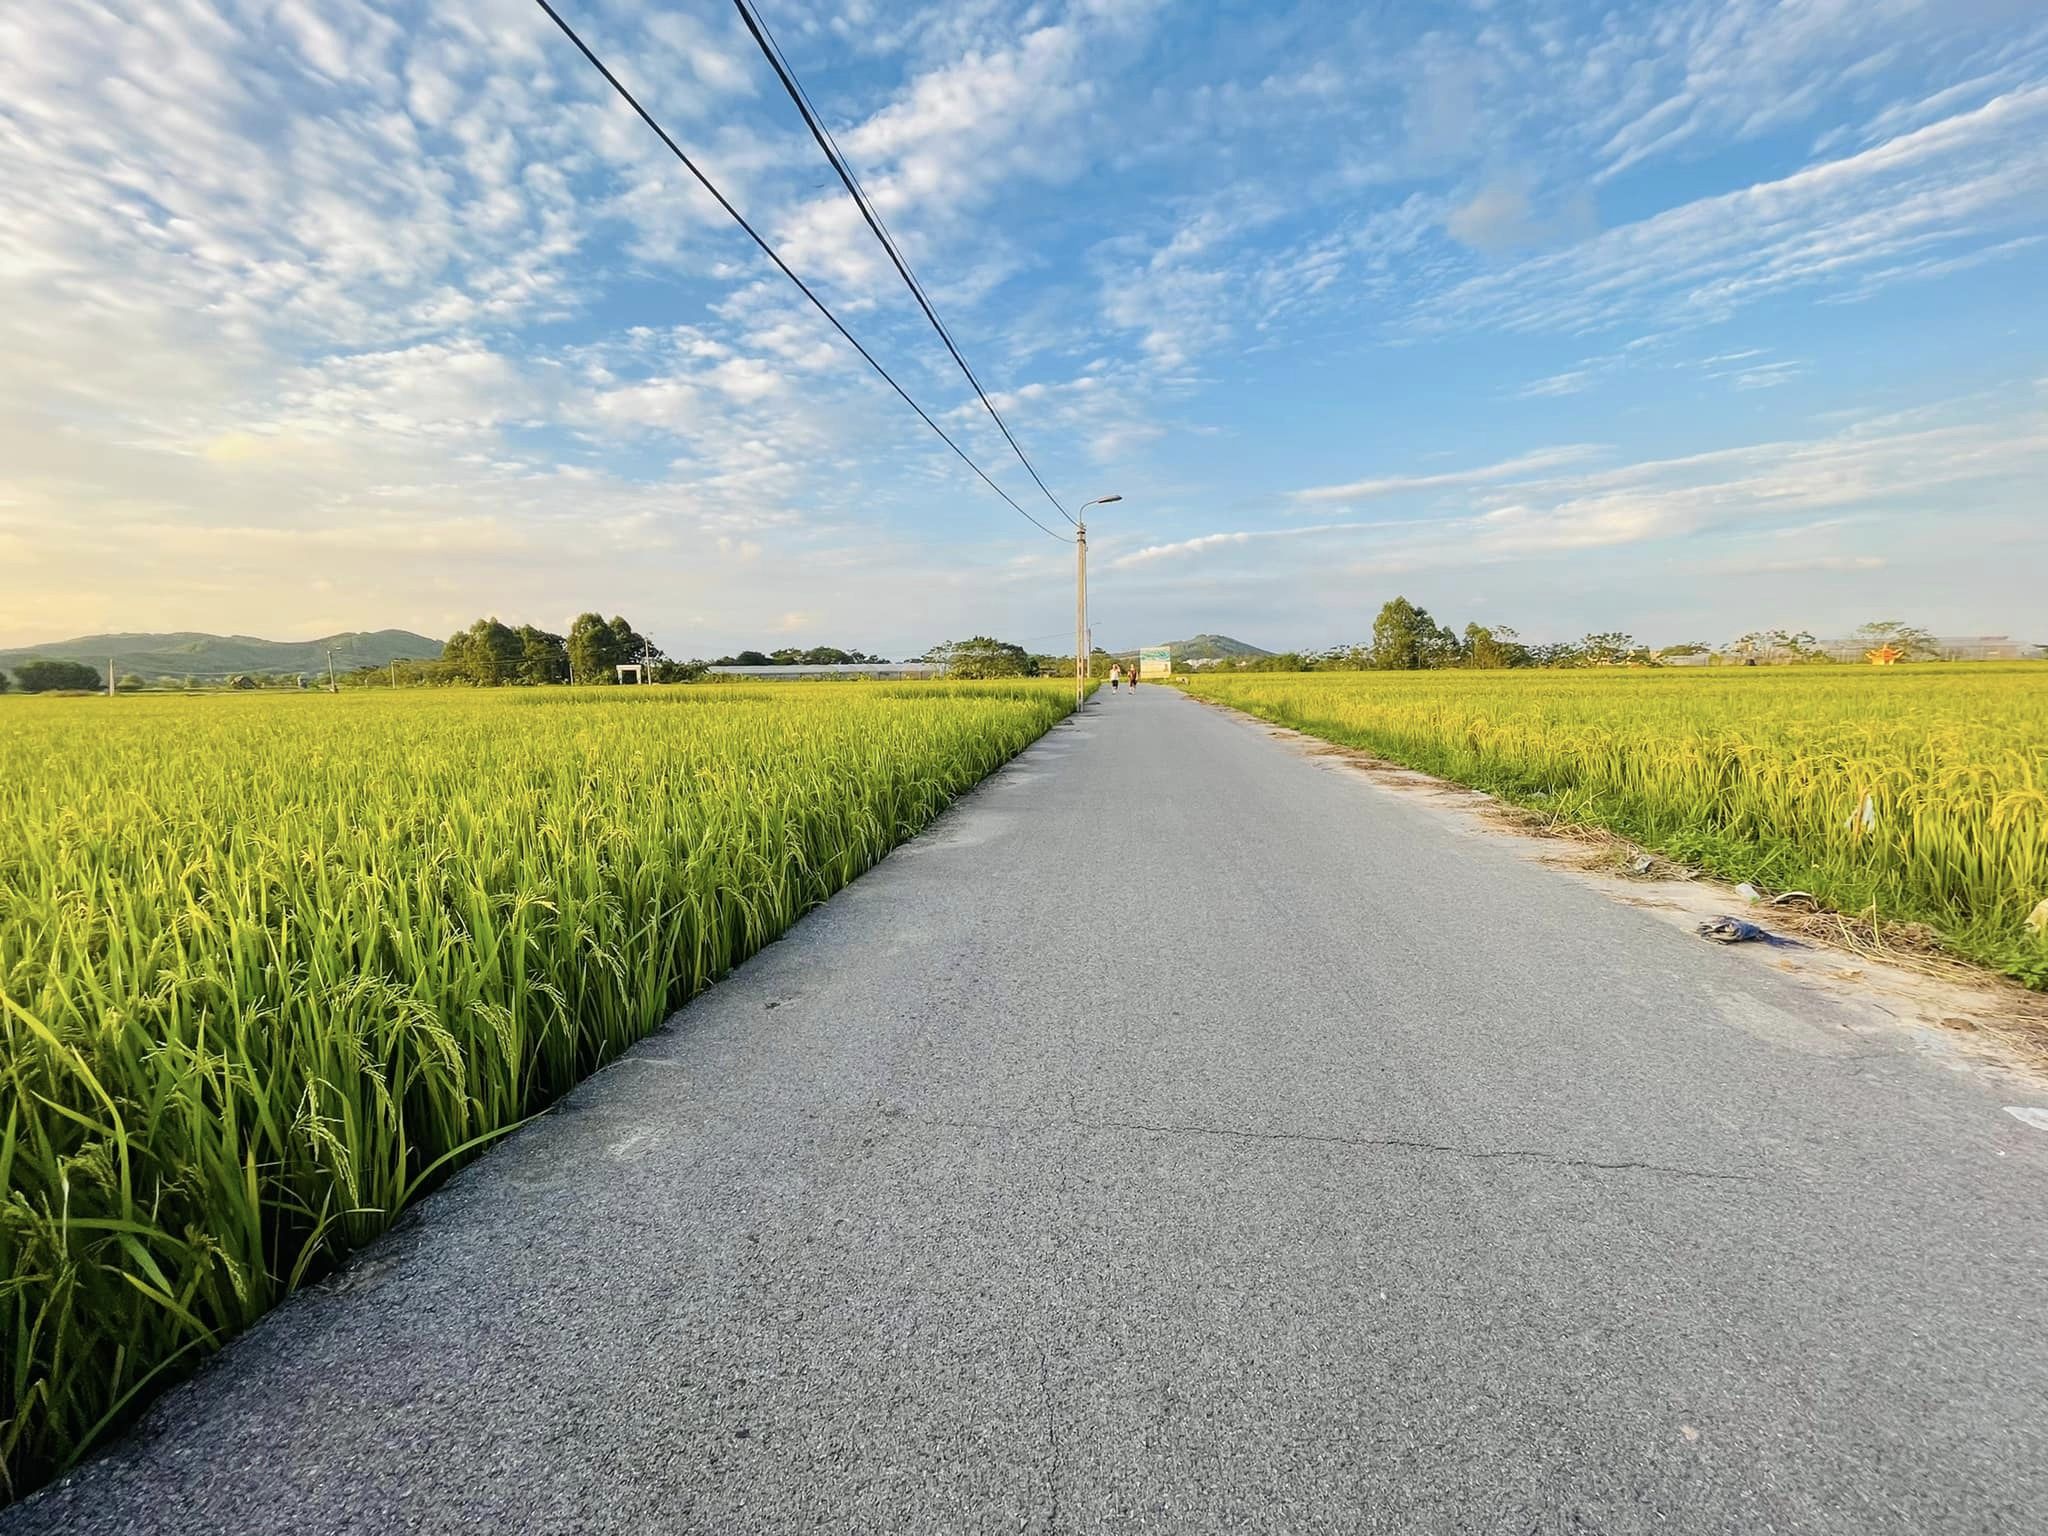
(1538, 506)
(1395, 485)
(1852, 221)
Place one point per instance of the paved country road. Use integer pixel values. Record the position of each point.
(1182, 1137)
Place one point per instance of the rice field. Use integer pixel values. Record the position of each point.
(1911, 794)
(271, 964)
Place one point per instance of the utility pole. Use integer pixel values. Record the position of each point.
(1080, 614)
(110, 677)
(1081, 656)
(332, 685)
(394, 672)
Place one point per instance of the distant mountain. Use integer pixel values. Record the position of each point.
(217, 656)
(1211, 647)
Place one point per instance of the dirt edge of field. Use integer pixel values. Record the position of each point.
(1896, 968)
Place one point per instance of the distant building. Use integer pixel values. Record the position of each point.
(1984, 648)
(1946, 647)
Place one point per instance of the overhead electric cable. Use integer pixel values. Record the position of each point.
(769, 251)
(772, 51)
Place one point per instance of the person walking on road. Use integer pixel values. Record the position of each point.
(1116, 675)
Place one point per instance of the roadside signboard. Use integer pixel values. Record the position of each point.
(1155, 661)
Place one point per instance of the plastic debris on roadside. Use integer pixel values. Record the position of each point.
(1642, 864)
(1749, 893)
(1731, 930)
(2038, 918)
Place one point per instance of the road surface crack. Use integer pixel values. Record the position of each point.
(1407, 1144)
(1052, 1440)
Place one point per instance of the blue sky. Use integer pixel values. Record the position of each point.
(1684, 318)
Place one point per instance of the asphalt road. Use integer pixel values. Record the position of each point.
(1182, 1137)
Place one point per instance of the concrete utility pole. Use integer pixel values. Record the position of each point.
(1080, 614)
(110, 677)
(1081, 657)
(332, 685)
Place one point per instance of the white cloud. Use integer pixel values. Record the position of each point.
(1207, 542)
(1964, 178)
(1537, 505)
(1812, 563)
(1502, 217)
(285, 284)
(951, 141)
(1507, 469)
(1573, 381)
(1733, 70)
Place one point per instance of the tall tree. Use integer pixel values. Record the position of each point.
(1914, 642)
(543, 657)
(500, 642)
(1608, 649)
(50, 676)
(1405, 639)
(1494, 646)
(1777, 645)
(457, 662)
(487, 654)
(982, 656)
(593, 649)
(630, 644)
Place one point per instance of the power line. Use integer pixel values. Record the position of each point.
(772, 50)
(768, 250)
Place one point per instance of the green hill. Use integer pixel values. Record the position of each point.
(210, 657)
(1208, 648)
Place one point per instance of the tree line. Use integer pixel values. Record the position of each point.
(489, 654)
(54, 676)
(1405, 638)
(792, 656)
(493, 654)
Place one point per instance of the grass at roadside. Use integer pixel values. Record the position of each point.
(270, 964)
(1914, 794)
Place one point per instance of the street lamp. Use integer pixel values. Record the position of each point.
(1081, 599)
